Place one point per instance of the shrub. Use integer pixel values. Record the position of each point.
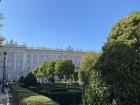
(116, 76)
(24, 96)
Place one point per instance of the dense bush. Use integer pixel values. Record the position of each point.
(24, 96)
(60, 85)
(86, 64)
(116, 76)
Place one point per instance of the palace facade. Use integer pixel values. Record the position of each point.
(21, 59)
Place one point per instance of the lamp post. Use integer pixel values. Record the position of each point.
(2, 89)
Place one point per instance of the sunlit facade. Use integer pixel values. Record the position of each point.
(22, 59)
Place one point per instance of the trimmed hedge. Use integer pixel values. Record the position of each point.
(24, 96)
(64, 96)
(60, 85)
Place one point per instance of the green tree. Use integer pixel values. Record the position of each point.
(49, 68)
(86, 66)
(46, 68)
(116, 76)
(30, 80)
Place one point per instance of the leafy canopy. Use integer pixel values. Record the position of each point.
(116, 76)
(126, 30)
(50, 68)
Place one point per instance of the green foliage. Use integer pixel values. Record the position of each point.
(126, 30)
(86, 64)
(35, 71)
(115, 77)
(49, 68)
(37, 100)
(67, 68)
(58, 66)
(24, 96)
(46, 68)
(30, 80)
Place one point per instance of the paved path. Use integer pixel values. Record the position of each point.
(6, 98)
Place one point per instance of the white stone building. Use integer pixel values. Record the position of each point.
(21, 59)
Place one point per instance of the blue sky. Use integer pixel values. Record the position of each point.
(82, 24)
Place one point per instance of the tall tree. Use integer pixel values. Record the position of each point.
(116, 74)
(115, 77)
(86, 65)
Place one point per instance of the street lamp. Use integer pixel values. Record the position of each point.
(3, 80)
